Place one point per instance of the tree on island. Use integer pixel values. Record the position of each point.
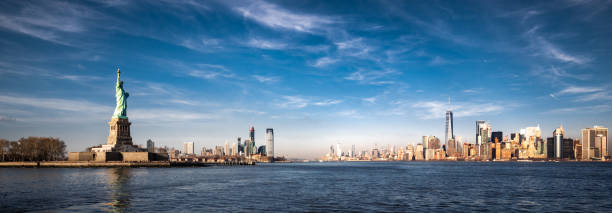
(33, 149)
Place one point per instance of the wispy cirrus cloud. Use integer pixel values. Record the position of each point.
(266, 44)
(56, 104)
(276, 17)
(373, 77)
(50, 20)
(436, 109)
(324, 61)
(543, 47)
(210, 71)
(298, 102)
(577, 90)
(584, 109)
(266, 79)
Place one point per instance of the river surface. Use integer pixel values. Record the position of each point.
(318, 187)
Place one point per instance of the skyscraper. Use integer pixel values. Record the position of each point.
(252, 137)
(338, 150)
(595, 143)
(479, 126)
(270, 142)
(449, 125)
(558, 140)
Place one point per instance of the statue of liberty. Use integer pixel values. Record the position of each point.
(121, 95)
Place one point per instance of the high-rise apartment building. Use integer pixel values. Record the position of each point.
(269, 142)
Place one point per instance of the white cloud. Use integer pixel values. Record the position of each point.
(373, 77)
(370, 99)
(327, 102)
(168, 115)
(210, 71)
(297, 102)
(48, 20)
(576, 90)
(56, 104)
(293, 102)
(266, 44)
(437, 109)
(585, 109)
(324, 61)
(265, 79)
(278, 18)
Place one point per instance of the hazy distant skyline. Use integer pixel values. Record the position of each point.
(318, 72)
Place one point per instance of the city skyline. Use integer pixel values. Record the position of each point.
(374, 73)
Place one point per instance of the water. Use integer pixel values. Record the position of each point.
(319, 187)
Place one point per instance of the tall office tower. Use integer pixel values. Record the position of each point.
(558, 141)
(252, 135)
(433, 143)
(449, 125)
(332, 152)
(188, 148)
(248, 147)
(479, 126)
(353, 150)
(338, 150)
(499, 135)
(269, 142)
(595, 143)
(234, 149)
(150, 146)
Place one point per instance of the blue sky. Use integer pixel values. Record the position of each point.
(318, 72)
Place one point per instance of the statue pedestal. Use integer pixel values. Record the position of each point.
(119, 135)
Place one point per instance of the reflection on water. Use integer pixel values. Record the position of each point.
(118, 181)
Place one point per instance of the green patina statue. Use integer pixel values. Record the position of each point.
(121, 95)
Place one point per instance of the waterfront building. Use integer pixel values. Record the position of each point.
(558, 140)
(595, 143)
(226, 151)
(248, 147)
(261, 150)
(218, 151)
(252, 137)
(418, 153)
(499, 135)
(483, 135)
(338, 150)
(150, 146)
(240, 150)
(433, 143)
(234, 149)
(352, 151)
(188, 148)
(410, 152)
(270, 142)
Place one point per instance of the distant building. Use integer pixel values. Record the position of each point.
(595, 143)
(234, 149)
(448, 133)
(150, 146)
(497, 135)
(261, 150)
(338, 150)
(218, 151)
(418, 153)
(188, 148)
(270, 142)
(227, 148)
(252, 136)
(558, 140)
